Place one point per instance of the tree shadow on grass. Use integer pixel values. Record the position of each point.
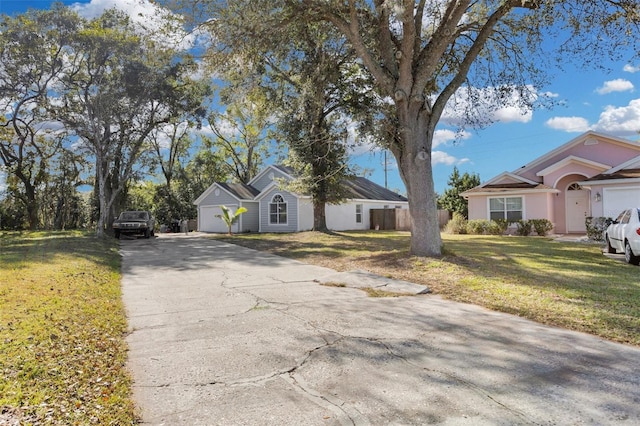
(20, 249)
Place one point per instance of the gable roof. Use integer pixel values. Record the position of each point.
(618, 176)
(587, 138)
(573, 160)
(506, 178)
(288, 171)
(359, 188)
(508, 188)
(356, 188)
(241, 191)
(631, 164)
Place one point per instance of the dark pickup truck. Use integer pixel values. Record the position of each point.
(135, 223)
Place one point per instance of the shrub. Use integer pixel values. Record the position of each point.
(477, 226)
(495, 228)
(524, 227)
(501, 224)
(596, 227)
(541, 226)
(457, 225)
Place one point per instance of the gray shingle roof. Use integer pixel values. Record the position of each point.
(620, 174)
(362, 188)
(240, 190)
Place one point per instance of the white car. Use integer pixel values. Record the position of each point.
(623, 235)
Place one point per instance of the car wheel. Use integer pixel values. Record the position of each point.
(117, 234)
(147, 233)
(610, 249)
(629, 256)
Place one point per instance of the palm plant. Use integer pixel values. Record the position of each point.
(230, 217)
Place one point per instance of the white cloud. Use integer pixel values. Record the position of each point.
(568, 124)
(160, 23)
(621, 121)
(440, 157)
(444, 136)
(630, 68)
(489, 105)
(617, 85)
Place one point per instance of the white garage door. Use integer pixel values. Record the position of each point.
(210, 223)
(619, 199)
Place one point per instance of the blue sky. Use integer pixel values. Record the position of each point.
(607, 102)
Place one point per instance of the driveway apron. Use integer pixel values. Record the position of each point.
(224, 335)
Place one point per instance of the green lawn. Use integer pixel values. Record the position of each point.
(571, 285)
(62, 321)
(62, 330)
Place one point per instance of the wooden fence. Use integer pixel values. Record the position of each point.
(398, 219)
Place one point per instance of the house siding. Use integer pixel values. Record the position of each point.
(305, 214)
(223, 198)
(263, 180)
(250, 220)
(210, 205)
(342, 217)
(292, 212)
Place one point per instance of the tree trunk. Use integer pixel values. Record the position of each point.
(32, 206)
(319, 216)
(414, 160)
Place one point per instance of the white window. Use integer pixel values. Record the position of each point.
(358, 213)
(278, 210)
(509, 208)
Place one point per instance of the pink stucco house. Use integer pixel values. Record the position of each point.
(592, 175)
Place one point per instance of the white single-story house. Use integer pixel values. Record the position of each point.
(271, 208)
(592, 175)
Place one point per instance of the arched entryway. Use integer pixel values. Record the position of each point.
(577, 207)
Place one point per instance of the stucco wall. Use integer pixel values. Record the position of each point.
(603, 152)
(478, 208)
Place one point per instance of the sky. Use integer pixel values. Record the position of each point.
(607, 102)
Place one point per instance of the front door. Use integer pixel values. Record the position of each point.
(577, 208)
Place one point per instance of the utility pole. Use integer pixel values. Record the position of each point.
(385, 169)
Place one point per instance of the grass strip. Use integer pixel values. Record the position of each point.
(62, 329)
(570, 285)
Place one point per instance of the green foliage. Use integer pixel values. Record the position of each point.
(501, 226)
(242, 138)
(494, 228)
(524, 227)
(457, 225)
(477, 226)
(541, 226)
(486, 227)
(451, 199)
(230, 217)
(596, 227)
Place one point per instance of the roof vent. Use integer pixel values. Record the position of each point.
(591, 141)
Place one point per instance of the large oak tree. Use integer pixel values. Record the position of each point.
(424, 54)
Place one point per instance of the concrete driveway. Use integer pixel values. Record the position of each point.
(224, 335)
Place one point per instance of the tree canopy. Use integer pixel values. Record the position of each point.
(425, 56)
(451, 199)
